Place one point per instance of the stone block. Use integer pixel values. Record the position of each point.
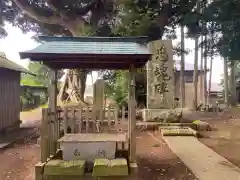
(177, 132)
(119, 167)
(105, 167)
(162, 55)
(101, 167)
(65, 168)
(202, 126)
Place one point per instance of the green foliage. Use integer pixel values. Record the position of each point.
(117, 85)
(41, 78)
(219, 19)
(145, 18)
(42, 75)
(54, 17)
(28, 99)
(151, 18)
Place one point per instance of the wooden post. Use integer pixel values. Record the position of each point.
(109, 117)
(80, 121)
(116, 115)
(123, 114)
(102, 114)
(65, 120)
(58, 126)
(87, 119)
(94, 118)
(44, 136)
(73, 121)
(39, 170)
(52, 104)
(132, 115)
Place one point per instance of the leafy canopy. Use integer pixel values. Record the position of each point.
(42, 75)
(221, 18)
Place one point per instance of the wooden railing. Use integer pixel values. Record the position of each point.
(90, 119)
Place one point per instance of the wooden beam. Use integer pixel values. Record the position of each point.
(52, 90)
(132, 114)
(80, 56)
(90, 65)
(52, 105)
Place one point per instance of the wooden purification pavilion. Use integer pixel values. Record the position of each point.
(126, 53)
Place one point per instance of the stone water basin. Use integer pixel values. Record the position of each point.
(89, 146)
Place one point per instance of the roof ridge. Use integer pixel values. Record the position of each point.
(9, 64)
(138, 39)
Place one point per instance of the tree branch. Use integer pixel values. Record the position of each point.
(74, 12)
(1, 10)
(29, 10)
(52, 4)
(75, 15)
(85, 9)
(166, 10)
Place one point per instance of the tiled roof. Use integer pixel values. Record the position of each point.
(91, 45)
(7, 64)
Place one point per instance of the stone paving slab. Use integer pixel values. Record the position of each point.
(201, 160)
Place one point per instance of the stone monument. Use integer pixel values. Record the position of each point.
(160, 79)
(99, 97)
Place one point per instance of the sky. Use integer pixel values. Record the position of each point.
(16, 41)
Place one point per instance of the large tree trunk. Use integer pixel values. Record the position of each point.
(226, 91)
(233, 84)
(211, 63)
(201, 73)
(195, 72)
(73, 86)
(182, 68)
(2, 30)
(202, 5)
(210, 79)
(205, 72)
(195, 76)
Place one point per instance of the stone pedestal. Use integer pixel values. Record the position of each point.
(162, 53)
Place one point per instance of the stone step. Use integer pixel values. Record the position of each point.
(65, 168)
(174, 131)
(105, 167)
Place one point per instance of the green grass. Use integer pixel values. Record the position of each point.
(44, 106)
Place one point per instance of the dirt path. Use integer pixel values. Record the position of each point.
(31, 118)
(156, 161)
(17, 163)
(225, 138)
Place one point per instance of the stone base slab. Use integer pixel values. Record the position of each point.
(151, 113)
(148, 114)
